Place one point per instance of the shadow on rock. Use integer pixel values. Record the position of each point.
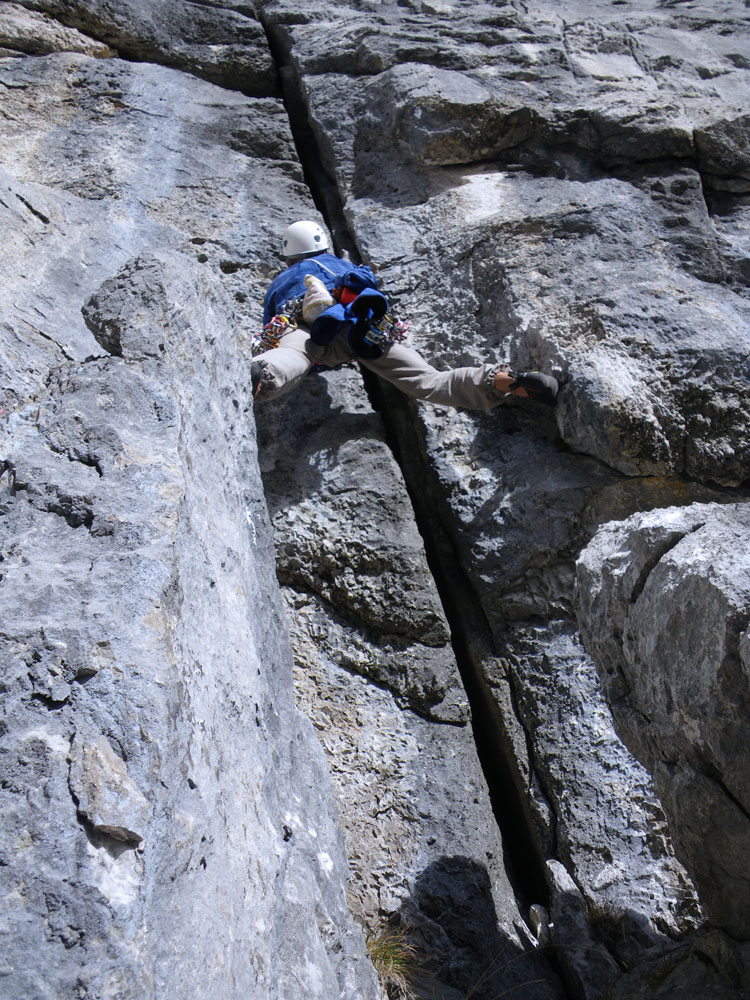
(460, 944)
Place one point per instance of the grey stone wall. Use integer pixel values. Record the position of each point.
(169, 826)
(544, 187)
(671, 587)
(533, 186)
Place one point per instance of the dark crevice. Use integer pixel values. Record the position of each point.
(524, 854)
(39, 215)
(89, 460)
(319, 179)
(7, 466)
(46, 336)
(50, 703)
(526, 847)
(524, 857)
(245, 10)
(16, 51)
(99, 838)
(72, 510)
(73, 515)
(713, 773)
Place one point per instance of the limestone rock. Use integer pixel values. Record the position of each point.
(609, 827)
(378, 677)
(421, 839)
(24, 30)
(557, 190)
(579, 228)
(124, 186)
(664, 607)
(343, 519)
(691, 970)
(514, 510)
(544, 186)
(227, 47)
(588, 965)
(106, 795)
(139, 596)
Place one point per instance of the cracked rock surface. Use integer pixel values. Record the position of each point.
(224, 45)
(503, 683)
(153, 835)
(641, 581)
(565, 190)
(377, 675)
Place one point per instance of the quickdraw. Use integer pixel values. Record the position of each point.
(277, 326)
(388, 330)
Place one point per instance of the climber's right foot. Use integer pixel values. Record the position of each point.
(537, 386)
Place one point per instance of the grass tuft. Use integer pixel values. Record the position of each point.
(395, 961)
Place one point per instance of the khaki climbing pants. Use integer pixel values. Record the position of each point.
(285, 365)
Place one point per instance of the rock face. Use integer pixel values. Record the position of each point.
(226, 46)
(641, 582)
(612, 185)
(489, 621)
(29, 31)
(377, 675)
(536, 186)
(167, 815)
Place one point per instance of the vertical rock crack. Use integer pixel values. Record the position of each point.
(524, 861)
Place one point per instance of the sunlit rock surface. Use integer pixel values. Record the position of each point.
(167, 815)
(549, 186)
(563, 190)
(641, 582)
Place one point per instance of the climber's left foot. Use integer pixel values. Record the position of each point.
(258, 375)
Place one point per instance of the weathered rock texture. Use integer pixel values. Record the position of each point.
(594, 171)
(377, 675)
(642, 583)
(558, 187)
(168, 823)
(29, 31)
(561, 190)
(224, 45)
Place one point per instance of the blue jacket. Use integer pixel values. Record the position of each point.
(290, 283)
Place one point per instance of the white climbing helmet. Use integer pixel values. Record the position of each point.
(303, 238)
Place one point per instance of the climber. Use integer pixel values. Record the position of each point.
(323, 310)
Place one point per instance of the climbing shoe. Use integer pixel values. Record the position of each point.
(541, 388)
(258, 375)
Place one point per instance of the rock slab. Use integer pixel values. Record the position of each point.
(664, 605)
